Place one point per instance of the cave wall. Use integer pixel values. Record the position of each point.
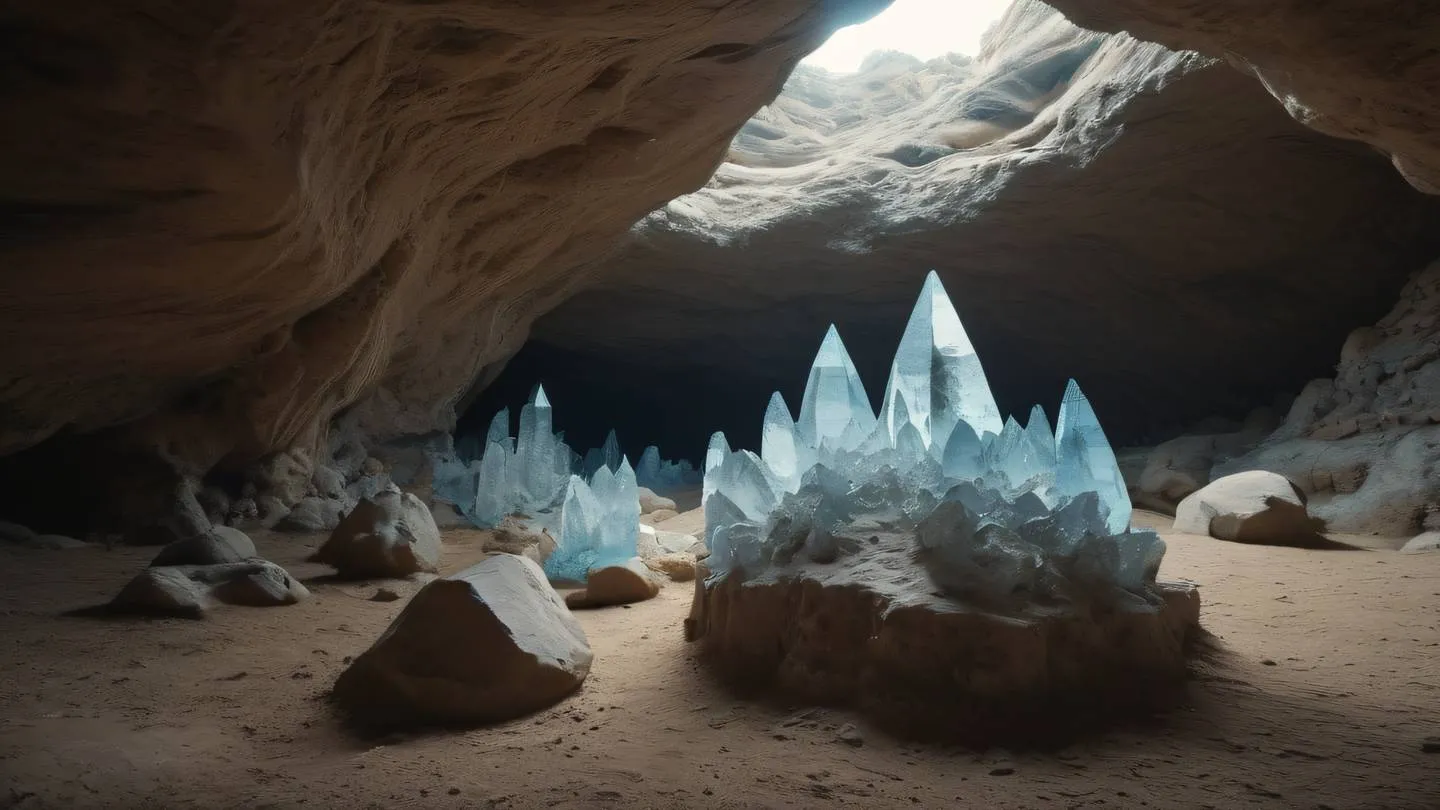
(226, 223)
(1147, 221)
(1349, 68)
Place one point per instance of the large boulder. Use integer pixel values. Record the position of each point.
(191, 590)
(490, 643)
(388, 535)
(1250, 507)
(222, 544)
(615, 585)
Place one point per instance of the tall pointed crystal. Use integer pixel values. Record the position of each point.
(611, 451)
(715, 455)
(835, 411)
(777, 441)
(938, 372)
(1081, 443)
(1040, 435)
(499, 432)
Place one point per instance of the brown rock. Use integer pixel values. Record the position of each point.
(490, 643)
(390, 535)
(615, 585)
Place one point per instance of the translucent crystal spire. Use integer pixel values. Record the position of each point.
(938, 372)
(715, 455)
(777, 441)
(1037, 430)
(611, 451)
(499, 432)
(835, 411)
(962, 457)
(647, 472)
(1083, 452)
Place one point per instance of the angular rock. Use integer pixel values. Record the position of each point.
(650, 502)
(1250, 507)
(490, 643)
(222, 544)
(190, 590)
(389, 535)
(615, 585)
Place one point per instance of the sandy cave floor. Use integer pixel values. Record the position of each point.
(1328, 681)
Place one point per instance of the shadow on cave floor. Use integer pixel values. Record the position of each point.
(1318, 691)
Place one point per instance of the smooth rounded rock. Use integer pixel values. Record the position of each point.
(222, 544)
(1250, 507)
(615, 585)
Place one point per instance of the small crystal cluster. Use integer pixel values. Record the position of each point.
(996, 508)
(591, 505)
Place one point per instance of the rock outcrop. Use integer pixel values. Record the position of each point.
(872, 631)
(389, 535)
(490, 643)
(1139, 218)
(1346, 67)
(1250, 507)
(1365, 445)
(342, 206)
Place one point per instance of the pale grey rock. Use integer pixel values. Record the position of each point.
(222, 544)
(1249, 507)
(191, 590)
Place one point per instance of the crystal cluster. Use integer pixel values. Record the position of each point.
(525, 475)
(996, 508)
(590, 505)
(653, 472)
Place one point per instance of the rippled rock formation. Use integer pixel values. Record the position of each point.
(231, 222)
(1184, 247)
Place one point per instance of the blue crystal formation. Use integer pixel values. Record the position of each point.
(997, 508)
(599, 522)
(591, 506)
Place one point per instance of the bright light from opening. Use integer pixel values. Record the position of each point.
(923, 28)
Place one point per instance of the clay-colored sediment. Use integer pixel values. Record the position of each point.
(933, 667)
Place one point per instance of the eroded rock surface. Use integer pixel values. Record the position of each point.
(1139, 218)
(1365, 445)
(870, 631)
(350, 205)
(389, 535)
(1347, 68)
(490, 643)
(191, 590)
